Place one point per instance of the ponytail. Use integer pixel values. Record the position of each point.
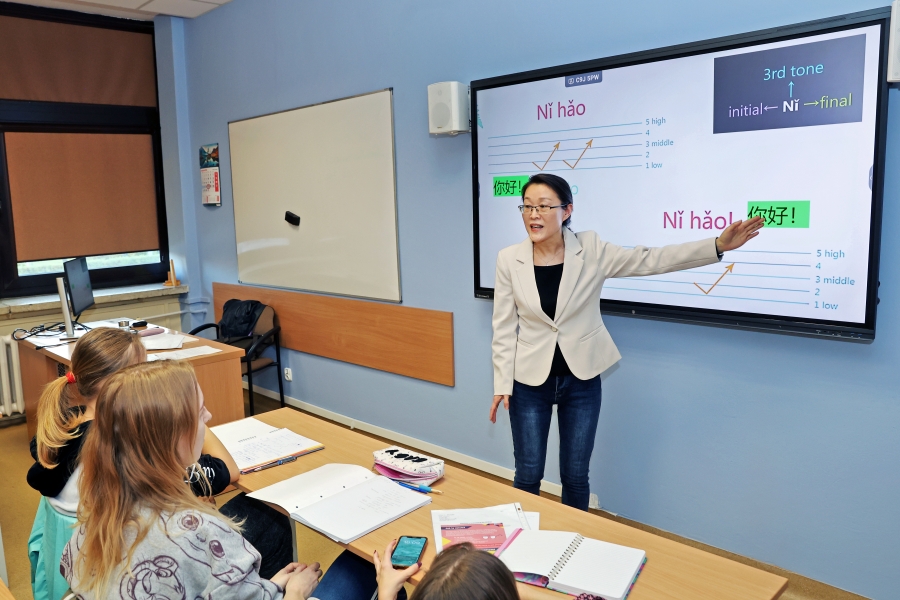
(97, 355)
(56, 421)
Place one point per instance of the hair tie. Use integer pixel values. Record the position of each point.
(70, 377)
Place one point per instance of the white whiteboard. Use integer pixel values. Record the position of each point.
(332, 165)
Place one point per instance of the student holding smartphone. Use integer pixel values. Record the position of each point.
(460, 571)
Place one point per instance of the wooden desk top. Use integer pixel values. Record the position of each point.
(225, 352)
(5, 594)
(673, 570)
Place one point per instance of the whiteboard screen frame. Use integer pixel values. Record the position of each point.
(313, 161)
(740, 320)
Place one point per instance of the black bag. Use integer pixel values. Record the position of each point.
(239, 317)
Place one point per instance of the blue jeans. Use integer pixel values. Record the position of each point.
(350, 578)
(578, 410)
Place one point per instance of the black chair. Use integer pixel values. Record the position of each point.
(265, 333)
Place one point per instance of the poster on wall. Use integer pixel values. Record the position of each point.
(210, 188)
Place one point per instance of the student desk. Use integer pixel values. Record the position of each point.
(219, 376)
(5, 594)
(673, 570)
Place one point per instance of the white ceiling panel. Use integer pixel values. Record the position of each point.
(179, 8)
(131, 4)
(132, 9)
(89, 7)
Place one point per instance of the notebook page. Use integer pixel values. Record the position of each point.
(536, 551)
(361, 509)
(510, 515)
(163, 341)
(601, 569)
(231, 434)
(308, 488)
(183, 354)
(267, 448)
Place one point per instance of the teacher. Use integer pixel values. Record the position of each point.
(550, 344)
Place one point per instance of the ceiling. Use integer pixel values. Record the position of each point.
(132, 9)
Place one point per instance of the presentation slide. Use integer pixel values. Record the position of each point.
(675, 150)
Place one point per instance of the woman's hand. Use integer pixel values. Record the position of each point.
(390, 580)
(496, 403)
(281, 577)
(303, 581)
(737, 234)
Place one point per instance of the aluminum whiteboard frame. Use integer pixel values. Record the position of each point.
(396, 222)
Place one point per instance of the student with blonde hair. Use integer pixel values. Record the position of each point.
(142, 532)
(66, 408)
(65, 412)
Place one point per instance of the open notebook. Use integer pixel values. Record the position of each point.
(572, 564)
(254, 444)
(344, 502)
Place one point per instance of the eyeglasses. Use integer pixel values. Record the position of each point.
(542, 209)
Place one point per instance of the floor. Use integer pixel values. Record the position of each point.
(17, 508)
(19, 503)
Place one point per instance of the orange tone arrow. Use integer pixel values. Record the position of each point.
(582, 154)
(555, 148)
(728, 269)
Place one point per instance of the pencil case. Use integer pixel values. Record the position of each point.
(401, 464)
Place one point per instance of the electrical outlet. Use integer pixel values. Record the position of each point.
(288, 376)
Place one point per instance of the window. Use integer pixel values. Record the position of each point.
(80, 153)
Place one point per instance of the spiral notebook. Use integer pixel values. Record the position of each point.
(572, 564)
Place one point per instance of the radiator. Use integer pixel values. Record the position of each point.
(11, 397)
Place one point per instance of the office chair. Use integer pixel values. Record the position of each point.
(265, 333)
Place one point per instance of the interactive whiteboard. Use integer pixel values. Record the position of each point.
(332, 165)
(661, 150)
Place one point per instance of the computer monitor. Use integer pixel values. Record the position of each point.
(78, 285)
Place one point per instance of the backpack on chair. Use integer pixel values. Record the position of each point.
(239, 317)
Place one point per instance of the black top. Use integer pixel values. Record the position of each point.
(50, 482)
(548, 279)
(216, 472)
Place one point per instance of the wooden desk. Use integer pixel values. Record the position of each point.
(673, 570)
(219, 376)
(5, 594)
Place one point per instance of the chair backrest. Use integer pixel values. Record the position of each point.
(49, 535)
(266, 321)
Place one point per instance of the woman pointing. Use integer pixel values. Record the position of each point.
(550, 344)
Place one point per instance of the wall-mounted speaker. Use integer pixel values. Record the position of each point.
(448, 107)
(893, 74)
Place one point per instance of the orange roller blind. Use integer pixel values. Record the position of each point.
(81, 194)
(59, 62)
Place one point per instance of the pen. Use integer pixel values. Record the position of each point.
(419, 488)
(274, 464)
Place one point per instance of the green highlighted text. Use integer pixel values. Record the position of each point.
(509, 185)
(781, 213)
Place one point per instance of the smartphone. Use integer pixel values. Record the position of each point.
(408, 551)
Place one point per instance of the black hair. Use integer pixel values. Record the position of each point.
(556, 183)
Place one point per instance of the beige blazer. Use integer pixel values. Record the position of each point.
(525, 338)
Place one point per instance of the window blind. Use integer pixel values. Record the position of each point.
(81, 194)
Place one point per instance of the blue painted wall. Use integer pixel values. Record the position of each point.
(779, 448)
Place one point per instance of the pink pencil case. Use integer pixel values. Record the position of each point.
(403, 465)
